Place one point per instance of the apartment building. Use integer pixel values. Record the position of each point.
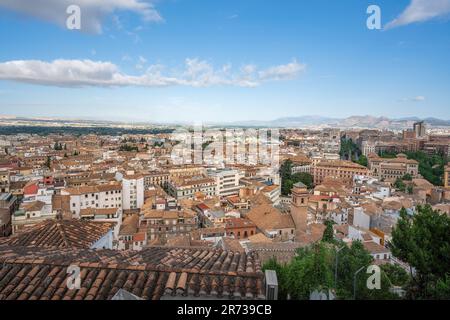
(368, 147)
(227, 181)
(160, 178)
(185, 171)
(437, 147)
(344, 170)
(9, 203)
(300, 164)
(186, 188)
(394, 168)
(96, 197)
(272, 192)
(165, 224)
(420, 129)
(132, 191)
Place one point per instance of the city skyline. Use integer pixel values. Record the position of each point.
(173, 61)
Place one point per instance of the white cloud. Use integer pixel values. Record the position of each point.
(92, 11)
(196, 73)
(414, 99)
(420, 11)
(283, 72)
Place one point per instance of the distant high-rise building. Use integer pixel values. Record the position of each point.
(420, 129)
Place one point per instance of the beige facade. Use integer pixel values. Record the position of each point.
(344, 170)
(383, 168)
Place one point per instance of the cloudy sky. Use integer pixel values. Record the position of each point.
(201, 60)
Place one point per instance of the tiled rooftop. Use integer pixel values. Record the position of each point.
(61, 234)
(154, 273)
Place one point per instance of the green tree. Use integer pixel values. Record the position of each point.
(285, 174)
(407, 177)
(363, 160)
(423, 241)
(431, 167)
(48, 162)
(349, 150)
(303, 177)
(57, 146)
(282, 276)
(128, 148)
(399, 185)
(328, 233)
(410, 189)
(310, 270)
(313, 269)
(396, 274)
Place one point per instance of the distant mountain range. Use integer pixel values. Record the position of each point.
(369, 122)
(350, 122)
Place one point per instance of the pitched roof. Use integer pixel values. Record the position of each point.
(61, 234)
(375, 248)
(152, 273)
(33, 206)
(130, 225)
(267, 217)
(98, 211)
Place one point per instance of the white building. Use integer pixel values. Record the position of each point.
(367, 148)
(95, 197)
(361, 219)
(227, 181)
(273, 192)
(30, 214)
(132, 191)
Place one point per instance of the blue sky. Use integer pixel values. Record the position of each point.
(201, 60)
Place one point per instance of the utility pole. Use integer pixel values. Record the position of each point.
(336, 266)
(354, 282)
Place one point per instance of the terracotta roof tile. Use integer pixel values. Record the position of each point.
(40, 273)
(61, 234)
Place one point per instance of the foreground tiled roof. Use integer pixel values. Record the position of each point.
(153, 273)
(61, 234)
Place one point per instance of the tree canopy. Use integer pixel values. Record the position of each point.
(423, 242)
(288, 179)
(313, 269)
